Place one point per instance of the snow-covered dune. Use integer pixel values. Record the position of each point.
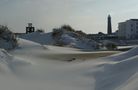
(35, 67)
(68, 39)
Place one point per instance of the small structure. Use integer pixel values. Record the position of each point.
(30, 28)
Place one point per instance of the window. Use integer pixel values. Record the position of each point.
(136, 27)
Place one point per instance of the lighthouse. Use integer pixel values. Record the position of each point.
(109, 25)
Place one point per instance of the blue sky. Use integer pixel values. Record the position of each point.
(87, 15)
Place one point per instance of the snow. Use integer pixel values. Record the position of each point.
(42, 38)
(69, 39)
(32, 66)
(82, 43)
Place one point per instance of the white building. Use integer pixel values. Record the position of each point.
(128, 29)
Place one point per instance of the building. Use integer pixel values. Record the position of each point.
(128, 29)
(30, 28)
(109, 25)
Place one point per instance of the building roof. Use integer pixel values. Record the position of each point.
(134, 19)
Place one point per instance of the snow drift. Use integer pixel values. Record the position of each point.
(117, 72)
(124, 55)
(8, 63)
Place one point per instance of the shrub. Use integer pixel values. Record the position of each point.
(7, 38)
(56, 33)
(40, 30)
(111, 46)
(67, 27)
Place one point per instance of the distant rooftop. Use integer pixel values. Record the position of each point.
(134, 19)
